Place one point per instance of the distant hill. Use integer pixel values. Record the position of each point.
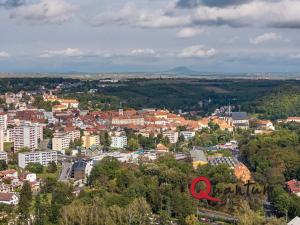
(182, 70)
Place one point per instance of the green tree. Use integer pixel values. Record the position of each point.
(48, 133)
(35, 167)
(3, 165)
(24, 204)
(52, 167)
(133, 144)
(39, 211)
(105, 139)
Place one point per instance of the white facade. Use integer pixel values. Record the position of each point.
(36, 157)
(30, 177)
(188, 134)
(1, 140)
(61, 141)
(3, 156)
(26, 135)
(9, 198)
(3, 121)
(118, 141)
(173, 136)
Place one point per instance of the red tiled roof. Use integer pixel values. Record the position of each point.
(6, 196)
(294, 186)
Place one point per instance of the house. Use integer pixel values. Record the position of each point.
(9, 174)
(264, 126)
(295, 221)
(239, 120)
(188, 135)
(78, 170)
(293, 186)
(198, 158)
(293, 119)
(31, 177)
(223, 124)
(9, 198)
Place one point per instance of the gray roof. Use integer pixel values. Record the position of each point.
(239, 116)
(198, 155)
(229, 161)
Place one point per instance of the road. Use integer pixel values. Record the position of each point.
(65, 172)
(216, 215)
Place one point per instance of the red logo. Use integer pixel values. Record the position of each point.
(202, 194)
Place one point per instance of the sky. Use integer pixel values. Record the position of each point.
(229, 36)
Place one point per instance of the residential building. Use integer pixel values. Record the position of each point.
(11, 173)
(61, 141)
(78, 170)
(36, 157)
(1, 140)
(172, 135)
(293, 119)
(3, 121)
(118, 141)
(69, 103)
(26, 135)
(198, 158)
(3, 156)
(294, 187)
(31, 177)
(188, 135)
(239, 120)
(265, 125)
(9, 198)
(90, 140)
(128, 120)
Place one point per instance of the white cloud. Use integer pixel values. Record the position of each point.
(68, 52)
(256, 13)
(45, 11)
(143, 52)
(281, 13)
(197, 51)
(4, 54)
(130, 15)
(265, 38)
(189, 32)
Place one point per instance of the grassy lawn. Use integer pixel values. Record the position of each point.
(45, 175)
(8, 146)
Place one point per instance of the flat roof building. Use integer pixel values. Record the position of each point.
(43, 158)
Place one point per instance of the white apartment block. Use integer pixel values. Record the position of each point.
(61, 141)
(3, 156)
(36, 157)
(118, 141)
(172, 135)
(1, 140)
(188, 135)
(3, 121)
(9, 135)
(26, 135)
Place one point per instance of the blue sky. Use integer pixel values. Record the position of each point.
(149, 35)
